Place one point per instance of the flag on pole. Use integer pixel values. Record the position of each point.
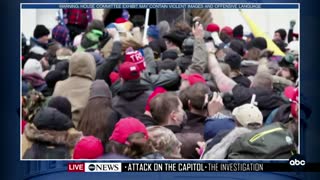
(257, 32)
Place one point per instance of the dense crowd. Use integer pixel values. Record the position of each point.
(184, 91)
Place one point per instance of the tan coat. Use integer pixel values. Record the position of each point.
(82, 71)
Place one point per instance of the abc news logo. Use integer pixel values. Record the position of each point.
(94, 167)
(297, 162)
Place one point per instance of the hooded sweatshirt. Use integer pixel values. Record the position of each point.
(82, 71)
(131, 99)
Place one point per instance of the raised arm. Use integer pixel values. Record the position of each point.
(108, 65)
(225, 84)
(200, 55)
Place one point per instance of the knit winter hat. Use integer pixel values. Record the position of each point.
(237, 46)
(169, 54)
(238, 31)
(52, 119)
(233, 60)
(125, 128)
(258, 42)
(40, 31)
(32, 66)
(53, 77)
(99, 88)
(153, 31)
(89, 147)
(135, 57)
(62, 104)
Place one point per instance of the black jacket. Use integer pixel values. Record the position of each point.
(131, 99)
(191, 133)
(104, 70)
(243, 80)
(267, 100)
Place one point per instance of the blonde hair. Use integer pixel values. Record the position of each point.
(164, 141)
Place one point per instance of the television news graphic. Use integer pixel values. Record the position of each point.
(296, 163)
(94, 167)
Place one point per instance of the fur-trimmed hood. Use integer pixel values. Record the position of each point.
(68, 138)
(219, 151)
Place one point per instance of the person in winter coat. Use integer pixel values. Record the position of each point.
(196, 115)
(250, 64)
(166, 109)
(132, 97)
(234, 61)
(261, 86)
(82, 72)
(92, 37)
(40, 37)
(185, 60)
(51, 135)
(98, 118)
(130, 138)
(31, 77)
(247, 117)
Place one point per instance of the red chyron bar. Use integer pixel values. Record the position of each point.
(76, 167)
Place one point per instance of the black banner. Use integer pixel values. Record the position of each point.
(219, 167)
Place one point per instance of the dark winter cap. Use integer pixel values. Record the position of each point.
(169, 54)
(258, 42)
(52, 119)
(238, 31)
(40, 31)
(62, 104)
(233, 60)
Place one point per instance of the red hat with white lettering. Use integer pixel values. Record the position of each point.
(135, 57)
(129, 71)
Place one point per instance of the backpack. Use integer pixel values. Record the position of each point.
(272, 141)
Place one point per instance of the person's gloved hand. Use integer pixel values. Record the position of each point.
(292, 24)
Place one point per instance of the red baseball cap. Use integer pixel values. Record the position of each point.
(114, 77)
(120, 20)
(135, 57)
(292, 94)
(89, 147)
(213, 27)
(228, 30)
(126, 127)
(193, 78)
(157, 90)
(129, 71)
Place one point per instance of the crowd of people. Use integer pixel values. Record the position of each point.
(183, 91)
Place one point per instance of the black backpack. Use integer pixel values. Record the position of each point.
(272, 141)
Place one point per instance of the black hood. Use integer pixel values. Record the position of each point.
(52, 119)
(132, 89)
